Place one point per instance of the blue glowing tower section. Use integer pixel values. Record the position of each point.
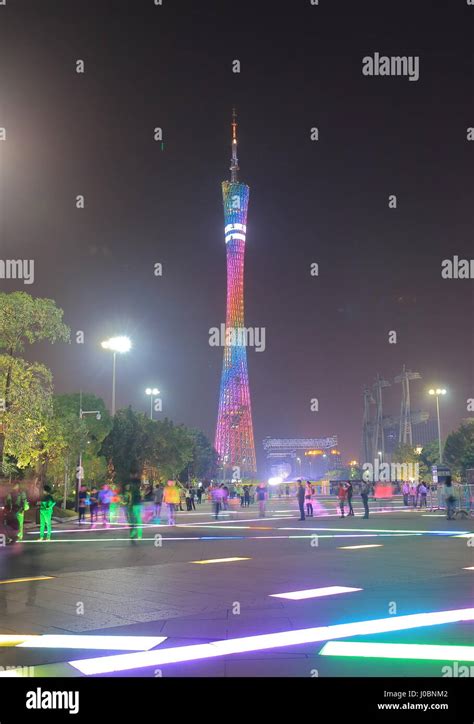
(234, 434)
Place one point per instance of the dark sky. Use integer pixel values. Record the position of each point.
(324, 202)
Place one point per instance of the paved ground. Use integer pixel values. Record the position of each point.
(101, 583)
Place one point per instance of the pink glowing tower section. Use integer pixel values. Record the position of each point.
(234, 434)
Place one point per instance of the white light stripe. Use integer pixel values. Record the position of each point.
(101, 643)
(124, 662)
(220, 560)
(314, 592)
(236, 226)
(353, 548)
(235, 235)
(433, 652)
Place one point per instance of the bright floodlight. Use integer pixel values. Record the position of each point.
(117, 344)
(432, 392)
(152, 391)
(275, 481)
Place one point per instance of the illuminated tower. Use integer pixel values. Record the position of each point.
(234, 434)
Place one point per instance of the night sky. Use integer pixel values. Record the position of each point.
(170, 66)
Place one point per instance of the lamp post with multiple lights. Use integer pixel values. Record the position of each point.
(121, 345)
(152, 392)
(437, 392)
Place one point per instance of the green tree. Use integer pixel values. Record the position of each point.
(69, 435)
(203, 464)
(459, 450)
(129, 444)
(25, 320)
(429, 456)
(24, 421)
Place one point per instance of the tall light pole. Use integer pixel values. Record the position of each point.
(80, 469)
(437, 392)
(152, 392)
(116, 344)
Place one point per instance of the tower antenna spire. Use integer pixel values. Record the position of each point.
(234, 164)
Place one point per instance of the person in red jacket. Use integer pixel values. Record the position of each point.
(341, 494)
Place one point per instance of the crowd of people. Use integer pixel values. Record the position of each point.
(139, 503)
(305, 495)
(414, 494)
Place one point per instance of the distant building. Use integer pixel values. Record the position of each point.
(310, 458)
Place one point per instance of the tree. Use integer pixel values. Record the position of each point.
(203, 463)
(128, 445)
(24, 421)
(25, 320)
(459, 450)
(69, 436)
(428, 457)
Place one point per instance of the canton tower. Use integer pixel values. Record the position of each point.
(234, 434)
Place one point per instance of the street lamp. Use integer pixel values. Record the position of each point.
(299, 461)
(437, 392)
(80, 469)
(152, 392)
(116, 344)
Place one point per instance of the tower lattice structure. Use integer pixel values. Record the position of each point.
(234, 433)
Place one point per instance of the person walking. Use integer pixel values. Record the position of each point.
(46, 506)
(341, 494)
(114, 510)
(225, 497)
(364, 494)
(350, 492)
(188, 499)
(261, 498)
(133, 501)
(308, 497)
(449, 498)
(82, 503)
(158, 500)
(16, 505)
(94, 504)
(171, 497)
(246, 496)
(199, 493)
(105, 496)
(300, 496)
(217, 496)
(405, 492)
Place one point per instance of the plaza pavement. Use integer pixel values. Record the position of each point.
(101, 583)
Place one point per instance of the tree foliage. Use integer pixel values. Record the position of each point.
(25, 319)
(459, 450)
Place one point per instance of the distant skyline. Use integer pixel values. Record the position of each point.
(324, 201)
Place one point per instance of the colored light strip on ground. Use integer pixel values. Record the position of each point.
(15, 639)
(421, 652)
(99, 643)
(353, 548)
(397, 530)
(195, 652)
(220, 560)
(314, 592)
(27, 580)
